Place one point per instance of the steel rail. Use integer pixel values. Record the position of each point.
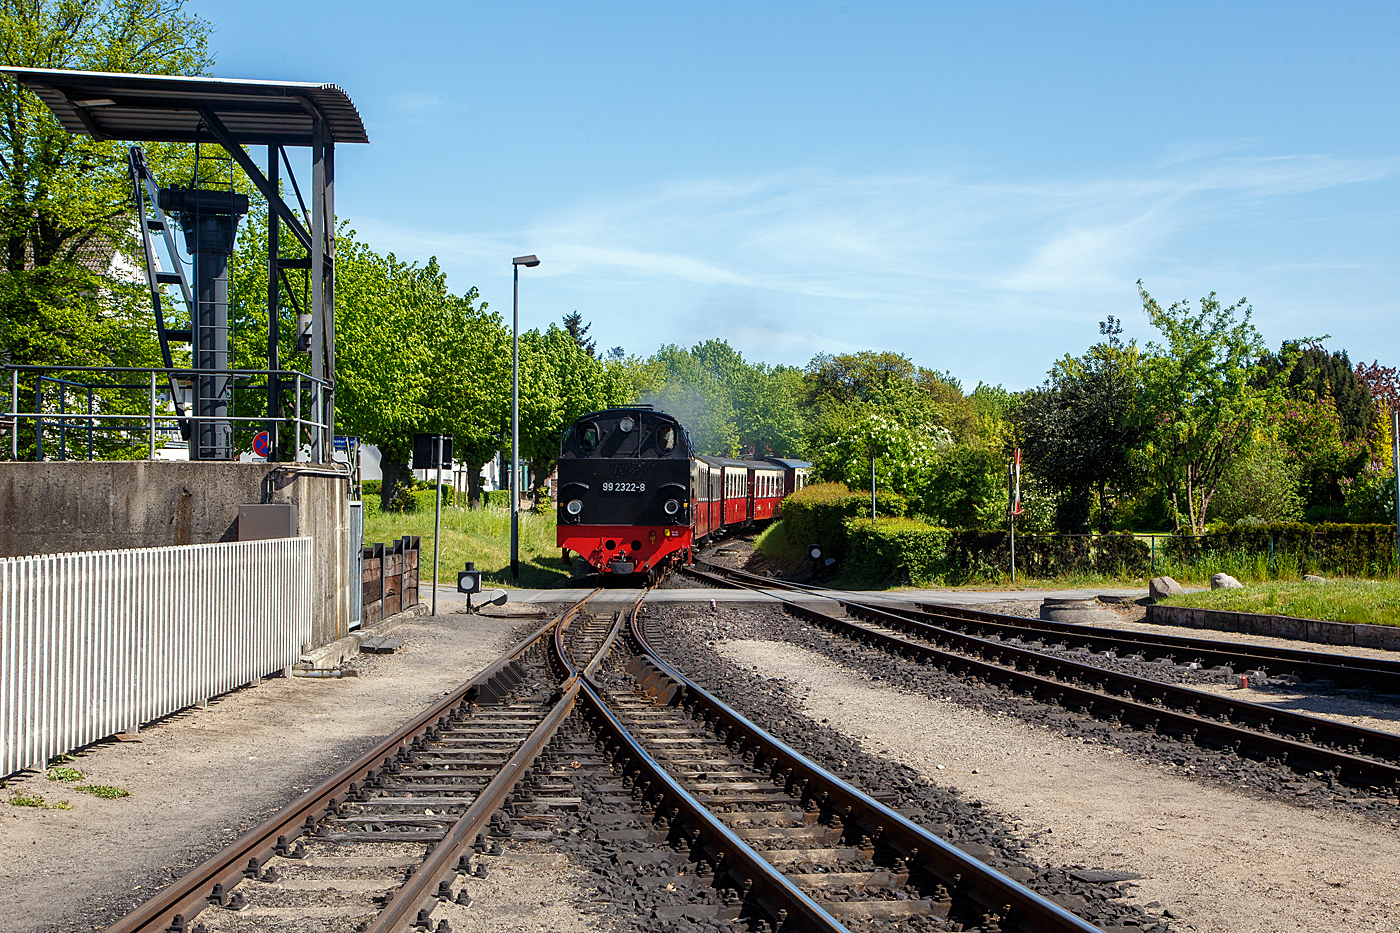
(782, 899)
(176, 905)
(420, 889)
(789, 907)
(1380, 674)
(969, 655)
(950, 866)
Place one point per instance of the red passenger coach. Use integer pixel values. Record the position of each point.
(766, 496)
(735, 491)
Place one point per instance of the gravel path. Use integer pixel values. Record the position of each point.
(689, 638)
(200, 777)
(1220, 859)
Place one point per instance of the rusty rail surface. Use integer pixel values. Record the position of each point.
(177, 905)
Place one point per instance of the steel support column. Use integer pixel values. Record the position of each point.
(274, 312)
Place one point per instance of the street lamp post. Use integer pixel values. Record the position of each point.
(529, 262)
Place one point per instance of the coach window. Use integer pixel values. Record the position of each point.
(666, 438)
(588, 437)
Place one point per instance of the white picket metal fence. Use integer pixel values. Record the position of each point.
(100, 642)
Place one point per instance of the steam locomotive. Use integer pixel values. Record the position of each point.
(634, 496)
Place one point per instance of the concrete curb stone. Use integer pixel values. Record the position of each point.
(1386, 637)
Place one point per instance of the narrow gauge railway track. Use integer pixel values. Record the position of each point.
(791, 844)
(374, 847)
(385, 843)
(1326, 669)
(1366, 758)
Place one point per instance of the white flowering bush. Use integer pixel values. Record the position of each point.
(904, 457)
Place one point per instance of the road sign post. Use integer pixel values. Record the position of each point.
(429, 451)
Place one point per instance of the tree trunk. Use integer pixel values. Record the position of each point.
(1191, 502)
(474, 485)
(395, 476)
(539, 482)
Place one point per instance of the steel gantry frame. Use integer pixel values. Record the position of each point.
(235, 114)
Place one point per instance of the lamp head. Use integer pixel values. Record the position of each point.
(528, 262)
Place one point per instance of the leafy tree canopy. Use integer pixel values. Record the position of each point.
(65, 200)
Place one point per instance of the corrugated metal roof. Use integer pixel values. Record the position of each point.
(165, 108)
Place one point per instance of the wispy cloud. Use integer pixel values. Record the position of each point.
(799, 256)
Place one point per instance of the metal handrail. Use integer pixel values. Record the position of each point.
(153, 420)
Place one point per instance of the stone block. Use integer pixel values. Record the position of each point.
(1223, 581)
(1162, 587)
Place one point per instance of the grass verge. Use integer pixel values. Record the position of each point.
(479, 535)
(1371, 602)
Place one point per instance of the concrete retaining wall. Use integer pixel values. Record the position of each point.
(62, 507)
(1253, 623)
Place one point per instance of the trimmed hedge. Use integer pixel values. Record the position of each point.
(984, 555)
(897, 550)
(817, 514)
(1346, 550)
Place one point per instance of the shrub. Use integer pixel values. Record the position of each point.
(404, 502)
(977, 555)
(1350, 550)
(896, 550)
(371, 487)
(817, 514)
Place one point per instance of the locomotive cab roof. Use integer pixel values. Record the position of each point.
(633, 431)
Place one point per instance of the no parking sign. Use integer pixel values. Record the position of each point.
(262, 444)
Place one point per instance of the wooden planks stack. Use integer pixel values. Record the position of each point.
(389, 578)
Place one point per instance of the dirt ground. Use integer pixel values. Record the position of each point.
(1220, 861)
(200, 777)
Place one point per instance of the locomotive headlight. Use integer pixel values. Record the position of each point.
(672, 506)
(574, 507)
(626, 424)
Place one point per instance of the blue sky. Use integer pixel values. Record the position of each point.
(974, 185)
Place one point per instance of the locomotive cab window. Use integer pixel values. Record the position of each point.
(588, 437)
(666, 438)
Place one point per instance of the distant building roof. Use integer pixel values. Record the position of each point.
(165, 108)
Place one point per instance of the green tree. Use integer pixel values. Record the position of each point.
(1083, 429)
(573, 323)
(1261, 486)
(695, 386)
(1309, 373)
(559, 382)
(65, 201)
(1314, 434)
(406, 360)
(966, 488)
(1202, 394)
(767, 410)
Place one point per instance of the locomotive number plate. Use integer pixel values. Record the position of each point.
(624, 487)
